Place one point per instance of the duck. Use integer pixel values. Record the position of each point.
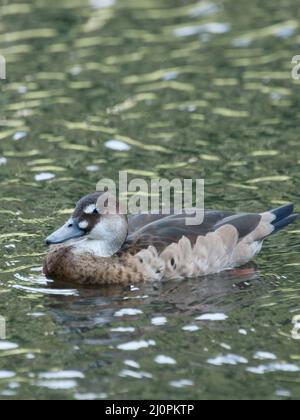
(100, 245)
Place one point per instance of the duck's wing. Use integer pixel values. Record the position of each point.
(161, 231)
(144, 221)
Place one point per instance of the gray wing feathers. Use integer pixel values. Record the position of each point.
(175, 224)
(244, 223)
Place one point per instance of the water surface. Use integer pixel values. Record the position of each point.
(158, 88)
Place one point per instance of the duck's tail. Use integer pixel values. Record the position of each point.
(284, 216)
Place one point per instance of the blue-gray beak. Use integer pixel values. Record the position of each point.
(67, 232)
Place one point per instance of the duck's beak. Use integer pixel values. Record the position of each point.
(67, 232)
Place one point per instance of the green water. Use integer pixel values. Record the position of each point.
(196, 90)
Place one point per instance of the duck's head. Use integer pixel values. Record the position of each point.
(96, 217)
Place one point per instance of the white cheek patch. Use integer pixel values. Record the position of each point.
(90, 209)
(83, 225)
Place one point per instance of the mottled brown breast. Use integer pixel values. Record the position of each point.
(63, 264)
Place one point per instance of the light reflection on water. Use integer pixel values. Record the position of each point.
(157, 88)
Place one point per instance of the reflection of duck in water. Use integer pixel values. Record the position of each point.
(99, 245)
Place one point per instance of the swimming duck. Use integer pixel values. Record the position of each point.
(100, 246)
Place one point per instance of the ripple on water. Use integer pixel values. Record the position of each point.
(5, 345)
(44, 176)
(203, 9)
(263, 355)
(159, 320)
(36, 280)
(285, 393)
(181, 383)
(123, 329)
(127, 373)
(136, 345)
(212, 28)
(155, 118)
(90, 396)
(102, 4)
(212, 317)
(7, 374)
(228, 359)
(19, 135)
(92, 168)
(190, 328)
(128, 312)
(165, 360)
(36, 314)
(57, 385)
(132, 363)
(60, 380)
(62, 374)
(43, 291)
(117, 145)
(274, 367)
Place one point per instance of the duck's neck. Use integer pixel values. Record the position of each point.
(96, 247)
